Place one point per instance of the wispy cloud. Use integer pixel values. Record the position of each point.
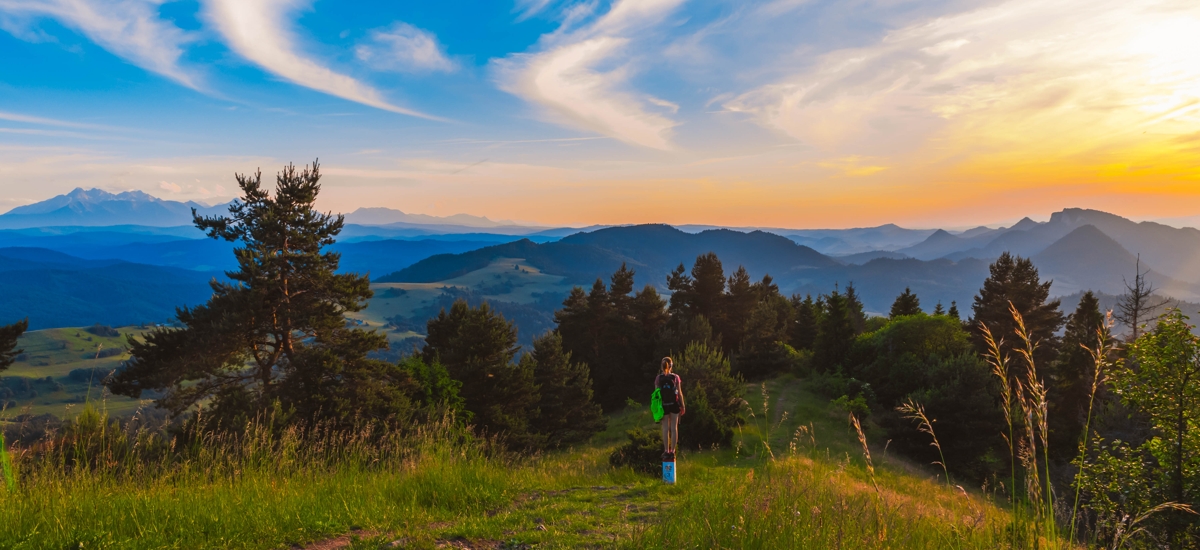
(258, 31)
(1018, 77)
(567, 80)
(130, 29)
(403, 47)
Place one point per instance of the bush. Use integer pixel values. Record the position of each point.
(712, 395)
(643, 452)
(700, 427)
(94, 375)
(103, 330)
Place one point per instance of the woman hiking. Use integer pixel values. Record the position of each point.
(670, 388)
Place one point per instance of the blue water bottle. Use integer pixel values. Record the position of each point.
(669, 469)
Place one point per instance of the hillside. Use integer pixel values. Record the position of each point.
(63, 368)
(808, 486)
(52, 289)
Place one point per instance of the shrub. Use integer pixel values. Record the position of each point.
(643, 452)
(103, 330)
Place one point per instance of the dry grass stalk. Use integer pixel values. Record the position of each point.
(916, 411)
(999, 364)
(1100, 357)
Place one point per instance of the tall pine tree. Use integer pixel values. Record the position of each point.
(566, 413)
(1071, 388)
(1015, 280)
(477, 347)
(802, 332)
(281, 316)
(835, 334)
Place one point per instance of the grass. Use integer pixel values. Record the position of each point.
(270, 491)
(498, 281)
(55, 353)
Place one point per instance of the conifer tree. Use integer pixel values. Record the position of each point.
(281, 316)
(708, 289)
(854, 308)
(566, 413)
(1136, 306)
(8, 342)
(477, 347)
(1015, 280)
(835, 334)
(953, 311)
(738, 305)
(906, 303)
(938, 309)
(614, 333)
(803, 329)
(1069, 391)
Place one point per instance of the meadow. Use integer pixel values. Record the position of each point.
(796, 476)
(62, 368)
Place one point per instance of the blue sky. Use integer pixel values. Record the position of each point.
(780, 112)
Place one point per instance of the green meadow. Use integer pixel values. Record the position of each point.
(795, 477)
(41, 380)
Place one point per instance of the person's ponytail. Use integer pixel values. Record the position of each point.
(667, 364)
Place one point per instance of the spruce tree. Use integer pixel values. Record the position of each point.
(1069, 391)
(8, 342)
(566, 413)
(953, 311)
(613, 333)
(854, 308)
(835, 334)
(282, 314)
(938, 309)
(1015, 280)
(708, 289)
(477, 347)
(803, 330)
(906, 303)
(738, 304)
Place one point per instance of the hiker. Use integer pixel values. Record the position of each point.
(670, 388)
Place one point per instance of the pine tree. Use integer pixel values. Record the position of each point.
(737, 307)
(1069, 391)
(1015, 280)
(8, 342)
(477, 346)
(708, 289)
(835, 334)
(854, 308)
(566, 413)
(712, 395)
(803, 330)
(953, 311)
(614, 334)
(282, 316)
(938, 309)
(906, 303)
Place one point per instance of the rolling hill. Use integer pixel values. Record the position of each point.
(52, 289)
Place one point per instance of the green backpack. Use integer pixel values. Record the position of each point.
(656, 408)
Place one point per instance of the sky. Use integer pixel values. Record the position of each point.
(783, 113)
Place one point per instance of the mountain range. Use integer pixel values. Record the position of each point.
(76, 246)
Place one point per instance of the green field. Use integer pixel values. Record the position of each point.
(54, 354)
(505, 280)
(806, 487)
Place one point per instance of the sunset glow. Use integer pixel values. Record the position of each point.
(780, 113)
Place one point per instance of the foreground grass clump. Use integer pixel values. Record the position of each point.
(796, 477)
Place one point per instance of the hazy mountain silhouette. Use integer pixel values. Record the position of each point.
(386, 216)
(96, 207)
(652, 250)
(1088, 259)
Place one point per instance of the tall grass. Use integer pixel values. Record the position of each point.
(801, 502)
(97, 485)
(1100, 357)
